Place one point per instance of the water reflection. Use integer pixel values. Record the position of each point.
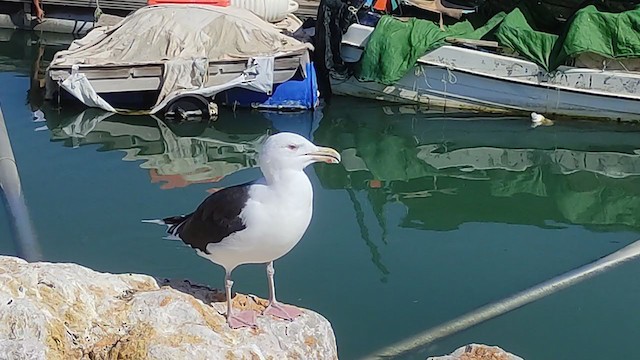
(15, 56)
(450, 170)
(29, 53)
(442, 170)
(406, 172)
(177, 155)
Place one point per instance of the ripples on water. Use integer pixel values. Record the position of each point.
(429, 215)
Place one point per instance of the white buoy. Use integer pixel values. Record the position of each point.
(539, 120)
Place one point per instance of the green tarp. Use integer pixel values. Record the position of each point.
(395, 45)
(610, 35)
(516, 33)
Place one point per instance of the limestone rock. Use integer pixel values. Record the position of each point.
(478, 352)
(66, 311)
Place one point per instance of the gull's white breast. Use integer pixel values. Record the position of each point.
(276, 218)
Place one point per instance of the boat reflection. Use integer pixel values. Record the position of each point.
(448, 170)
(587, 174)
(178, 155)
(175, 155)
(29, 53)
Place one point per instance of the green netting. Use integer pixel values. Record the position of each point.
(395, 45)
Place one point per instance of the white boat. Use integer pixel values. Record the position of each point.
(165, 53)
(457, 76)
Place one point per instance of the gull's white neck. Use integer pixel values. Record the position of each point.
(288, 180)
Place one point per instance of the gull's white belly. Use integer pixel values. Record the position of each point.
(270, 234)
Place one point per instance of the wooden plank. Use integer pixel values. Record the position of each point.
(281, 76)
(106, 81)
(147, 71)
(227, 68)
(307, 8)
(106, 74)
(220, 78)
(286, 63)
(292, 63)
(149, 77)
(110, 72)
(104, 4)
(472, 43)
(125, 85)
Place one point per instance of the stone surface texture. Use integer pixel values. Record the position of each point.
(478, 352)
(67, 311)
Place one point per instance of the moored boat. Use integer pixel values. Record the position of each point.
(513, 72)
(177, 58)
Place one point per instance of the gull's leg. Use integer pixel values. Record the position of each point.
(241, 318)
(275, 308)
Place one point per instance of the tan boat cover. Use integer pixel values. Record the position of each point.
(184, 38)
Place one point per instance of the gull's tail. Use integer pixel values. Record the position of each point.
(173, 224)
(155, 221)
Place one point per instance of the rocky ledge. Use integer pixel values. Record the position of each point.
(66, 311)
(478, 352)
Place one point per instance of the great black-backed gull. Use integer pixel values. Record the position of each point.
(256, 222)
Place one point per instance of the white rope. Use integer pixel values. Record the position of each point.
(452, 77)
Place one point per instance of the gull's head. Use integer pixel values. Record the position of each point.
(288, 151)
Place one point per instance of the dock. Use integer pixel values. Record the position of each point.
(307, 8)
(79, 16)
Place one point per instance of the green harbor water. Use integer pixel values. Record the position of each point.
(428, 217)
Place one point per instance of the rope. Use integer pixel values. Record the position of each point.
(354, 11)
(421, 71)
(452, 77)
(97, 13)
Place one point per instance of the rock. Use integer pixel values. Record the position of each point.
(66, 311)
(478, 352)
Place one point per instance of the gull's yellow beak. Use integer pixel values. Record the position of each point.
(325, 154)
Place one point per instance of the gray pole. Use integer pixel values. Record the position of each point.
(513, 302)
(23, 232)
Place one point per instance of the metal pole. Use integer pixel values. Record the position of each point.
(24, 235)
(513, 302)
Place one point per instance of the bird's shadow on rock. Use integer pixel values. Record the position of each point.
(214, 297)
(201, 292)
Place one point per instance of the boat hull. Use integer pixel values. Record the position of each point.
(455, 77)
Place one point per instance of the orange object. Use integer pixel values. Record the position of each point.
(380, 5)
(223, 3)
(375, 184)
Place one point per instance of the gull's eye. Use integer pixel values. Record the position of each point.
(292, 147)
